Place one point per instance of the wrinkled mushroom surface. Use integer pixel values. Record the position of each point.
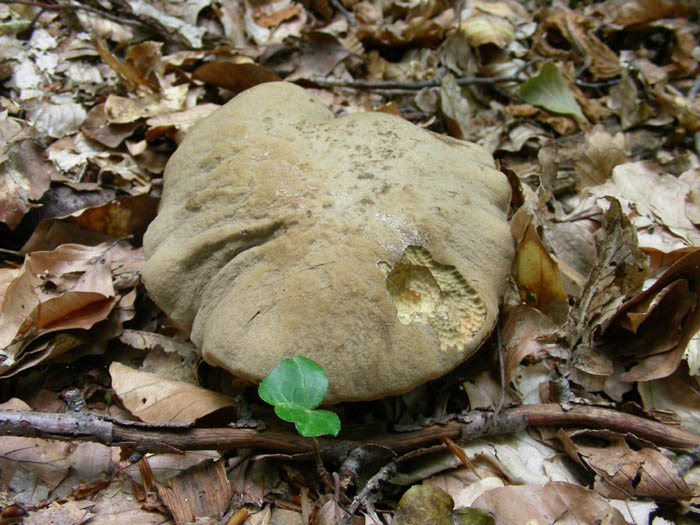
(375, 248)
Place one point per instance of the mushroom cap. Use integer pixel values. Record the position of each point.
(365, 243)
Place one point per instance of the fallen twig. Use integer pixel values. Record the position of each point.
(408, 85)
(413, 85)
(170, 438)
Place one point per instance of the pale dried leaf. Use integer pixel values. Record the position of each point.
(556, 502)
(60, 512)
(156, 399)
(25, 175)
(121, 110)
(454, 107)
(464, 491)
(487, 29)
(165, 466)
(678, 393)
(117, 504)
(191, 33)
(624, 100)
(656, 196)
(57, 117)
(199, 492)
(524, 333)
(602, 153)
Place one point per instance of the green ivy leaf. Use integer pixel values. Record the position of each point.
(295, 388)
(548, 90)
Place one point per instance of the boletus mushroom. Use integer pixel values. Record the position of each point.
(376, 248)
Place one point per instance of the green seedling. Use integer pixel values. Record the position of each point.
(295, 388)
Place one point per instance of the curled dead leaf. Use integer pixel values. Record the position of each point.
(70, 288)
(525, 332)
(622, 472)
(235, 77)
(654, 328)
(551, 503)
(538, 276)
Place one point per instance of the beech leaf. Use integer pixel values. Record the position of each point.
(295, 388)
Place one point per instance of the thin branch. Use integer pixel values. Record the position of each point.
(155, 438)
(347, 14)
(408, 85)
(385, 473)
(412, 85)
(597, 85)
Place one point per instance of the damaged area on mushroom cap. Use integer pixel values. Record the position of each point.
(425, 291)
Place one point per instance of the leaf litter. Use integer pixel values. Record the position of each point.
(591, 109)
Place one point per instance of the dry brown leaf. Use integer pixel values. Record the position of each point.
(146, 60)
(623, 473)
(655, 200)
(267, 19)
(483, 390)
(97, 127)
(484, 29)
(619, 272)
(425, 23)
(601, 154)
(666, 316)
(692, 199)
(166, 356)
(556, 502)
(55, 117)
(578, 30)
(25, 174)
(124, 217)
(573, 244)
(117, 504)
(155, 399)
(199, 492)
(320, 53)
(126, 72)
(122, 110)
(454, 107)
(636, 12)
(678, 393)
(32, 467)
(68, 278)
(232, 76)
(561, 124)
(686, 111)
(182, 121)
(70, 288)
(538, 277)
(61, 512)
(524, 334)
(624, 100)
(660, 261)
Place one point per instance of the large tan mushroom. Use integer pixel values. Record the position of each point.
(375, 248)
